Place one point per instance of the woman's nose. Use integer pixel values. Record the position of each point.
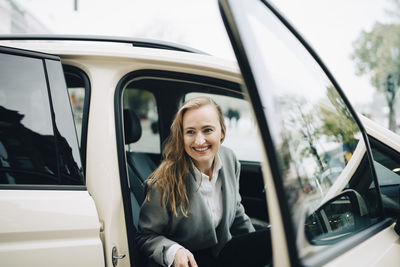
(199, 139)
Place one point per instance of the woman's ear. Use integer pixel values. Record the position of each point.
(222, 137)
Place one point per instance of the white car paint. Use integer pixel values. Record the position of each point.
(44, 228)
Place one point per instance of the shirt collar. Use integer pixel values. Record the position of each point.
(198, 175)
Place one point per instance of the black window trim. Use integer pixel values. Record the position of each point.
(42, 187)
(27, 53)
(86, 107)
(43, 57)
(123, 172)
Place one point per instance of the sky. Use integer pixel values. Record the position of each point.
(330, 26)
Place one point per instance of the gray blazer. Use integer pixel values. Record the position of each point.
(158, 228)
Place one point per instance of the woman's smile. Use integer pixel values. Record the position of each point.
(201, 149)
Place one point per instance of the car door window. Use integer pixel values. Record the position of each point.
(78, 85)
(37, 138)
(315, 147)
(77, 96)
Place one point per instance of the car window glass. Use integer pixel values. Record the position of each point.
(35, 104)
(241, 131)
(68, 150)
(77, 97)
(77, 93)
(78, 85)
(320, 150)
(27, 139)
(143, 104)
(28, 146)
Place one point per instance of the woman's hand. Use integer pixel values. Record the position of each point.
(184, 258)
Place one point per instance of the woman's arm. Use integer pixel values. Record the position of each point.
(153, 224)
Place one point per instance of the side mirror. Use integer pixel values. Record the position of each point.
(336, 219)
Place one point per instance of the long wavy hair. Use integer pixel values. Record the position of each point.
(172, 176)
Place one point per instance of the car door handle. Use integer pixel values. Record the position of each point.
(116, 257)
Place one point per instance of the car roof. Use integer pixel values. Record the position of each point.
(136, 42)
(144, 50)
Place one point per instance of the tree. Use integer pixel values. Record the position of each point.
(337, 122)
(377, 54)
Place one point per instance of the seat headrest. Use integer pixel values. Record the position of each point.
(132, 127)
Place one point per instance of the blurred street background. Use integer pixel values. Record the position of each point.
(358, 40)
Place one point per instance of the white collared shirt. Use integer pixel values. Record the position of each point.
(211, 194)
(211, 191)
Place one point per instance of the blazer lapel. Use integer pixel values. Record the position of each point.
(226, 205)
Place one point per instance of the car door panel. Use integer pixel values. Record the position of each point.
(297, 101)
(48, 217)
(49, 228)
(373, 252)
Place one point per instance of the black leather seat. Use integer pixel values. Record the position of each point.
(140, 165)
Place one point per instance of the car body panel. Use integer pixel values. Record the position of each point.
(380, 250)
(46, 227)
(44, 221)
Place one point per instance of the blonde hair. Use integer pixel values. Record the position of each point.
(171, 177)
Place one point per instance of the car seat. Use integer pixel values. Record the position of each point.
(139, 164)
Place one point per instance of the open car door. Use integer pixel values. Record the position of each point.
(47, 217)
(324, 201)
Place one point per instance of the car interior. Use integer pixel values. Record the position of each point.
(143, 123)
(147, 103)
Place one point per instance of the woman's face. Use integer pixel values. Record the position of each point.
(202, 135)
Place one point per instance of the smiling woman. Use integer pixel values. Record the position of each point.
(193, 206)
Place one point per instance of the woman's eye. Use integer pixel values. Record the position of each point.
(208, 130)
(189, 132)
